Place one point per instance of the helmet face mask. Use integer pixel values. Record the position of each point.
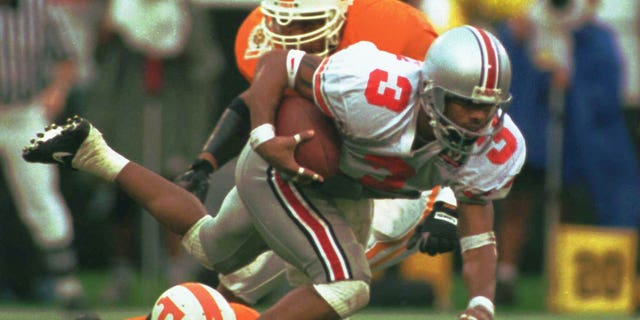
(304, 24)
(470, 65)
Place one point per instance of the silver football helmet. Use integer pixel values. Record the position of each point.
(466, 63)
(331, 14)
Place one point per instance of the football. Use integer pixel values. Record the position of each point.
(320, 153)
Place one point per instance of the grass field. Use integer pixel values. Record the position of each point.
(531, 305)
(38, 313)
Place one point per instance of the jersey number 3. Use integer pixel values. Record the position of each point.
(393, 95)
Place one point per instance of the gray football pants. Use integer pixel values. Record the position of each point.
(323, 238)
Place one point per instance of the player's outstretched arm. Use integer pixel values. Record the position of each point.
(479, 258)
(80, 146)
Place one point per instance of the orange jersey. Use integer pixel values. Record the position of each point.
(392, 25)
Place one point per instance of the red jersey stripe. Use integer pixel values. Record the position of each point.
(317, 229)
(318, 95)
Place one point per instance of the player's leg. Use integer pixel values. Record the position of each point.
(251, 283)
(224, 242)
(394, 222)
(81, 146)
(310, 233)
(227, 241)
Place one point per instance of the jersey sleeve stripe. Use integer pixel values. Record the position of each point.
(318, 93)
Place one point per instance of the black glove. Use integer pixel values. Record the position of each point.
(437, 233)
(196, 179)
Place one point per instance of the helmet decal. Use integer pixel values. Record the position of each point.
(258, 43)
(490, 69)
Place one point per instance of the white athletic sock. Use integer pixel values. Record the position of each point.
(95, 156)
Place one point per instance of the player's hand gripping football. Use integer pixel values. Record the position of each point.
(280, 153)
(438, 232)
(196, 179)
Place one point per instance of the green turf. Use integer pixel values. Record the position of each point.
(34, 312)
(531, 304)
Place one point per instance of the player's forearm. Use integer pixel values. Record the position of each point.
(229, 135)
(171, 205)
(479, 271)
(266, 91)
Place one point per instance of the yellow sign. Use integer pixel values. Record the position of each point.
(592, 270)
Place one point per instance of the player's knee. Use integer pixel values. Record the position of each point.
(345, 297)
(191, 242)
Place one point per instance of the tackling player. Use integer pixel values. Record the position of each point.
(442, 121)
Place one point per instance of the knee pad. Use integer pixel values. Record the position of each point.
(191, 242)
(256, 280)
(345, 297)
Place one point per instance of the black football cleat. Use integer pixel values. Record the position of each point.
(59, 143)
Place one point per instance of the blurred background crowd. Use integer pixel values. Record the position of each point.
(155, 75)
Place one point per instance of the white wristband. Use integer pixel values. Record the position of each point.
(261, 134)
(483, 302)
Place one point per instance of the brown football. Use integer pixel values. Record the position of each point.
(320, 153)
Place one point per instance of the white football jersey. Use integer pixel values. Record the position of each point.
(371, 96)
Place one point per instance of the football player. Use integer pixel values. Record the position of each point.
(322, 28)
(438, 122)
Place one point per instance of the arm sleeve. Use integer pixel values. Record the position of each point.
(230, 133)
